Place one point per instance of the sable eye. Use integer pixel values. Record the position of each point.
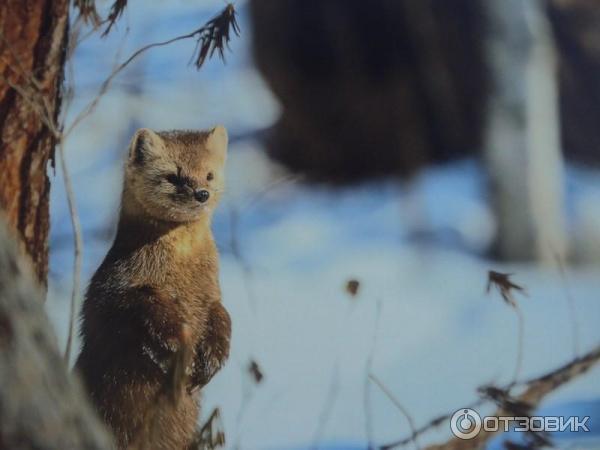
(210, 176)
(174, 179)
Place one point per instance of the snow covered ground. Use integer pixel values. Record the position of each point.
(421, 320)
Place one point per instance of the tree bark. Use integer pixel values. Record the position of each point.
(33, 37)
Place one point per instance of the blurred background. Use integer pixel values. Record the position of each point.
(384, 156)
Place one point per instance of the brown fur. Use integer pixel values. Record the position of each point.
(157, 289)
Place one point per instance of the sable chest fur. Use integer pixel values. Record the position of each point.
(179, 265)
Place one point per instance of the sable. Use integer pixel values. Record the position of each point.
(154, 330)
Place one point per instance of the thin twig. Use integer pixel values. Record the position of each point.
(234, 238)
(332, 392)
(26, 74)
(367, 391)
(247, 394)
(570, 304)
(257, 197)
(401, 408)
(32, 97)
(71, 201)
(520, 342)
(78, 246)
(236, 251)
(506, 287)
(31, 89)
(106, 84)
(328, 404)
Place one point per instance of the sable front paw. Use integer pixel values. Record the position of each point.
(213, 349)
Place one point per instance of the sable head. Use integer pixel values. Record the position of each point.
(175, 176)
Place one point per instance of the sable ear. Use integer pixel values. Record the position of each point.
(143, 144)
(217, 140)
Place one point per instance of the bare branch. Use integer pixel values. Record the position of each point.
(78, 246)
(248, 384)
(329, 402)
(401, 408)
(368, 369)
(217, 37)
(505, 287)
(520, 342)
(257, 197)
(30, 88)
(234, 242)
(535, 390)
(39, 106)
(570, 304)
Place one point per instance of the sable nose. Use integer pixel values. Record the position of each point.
(202, 195)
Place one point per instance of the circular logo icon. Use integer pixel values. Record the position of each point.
(465, 423)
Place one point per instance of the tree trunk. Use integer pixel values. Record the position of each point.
(371, 89)
(522, 149)
(33, 37)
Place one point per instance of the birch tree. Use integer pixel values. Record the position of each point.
(522, 137)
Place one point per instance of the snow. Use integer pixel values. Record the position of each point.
(421, 320)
